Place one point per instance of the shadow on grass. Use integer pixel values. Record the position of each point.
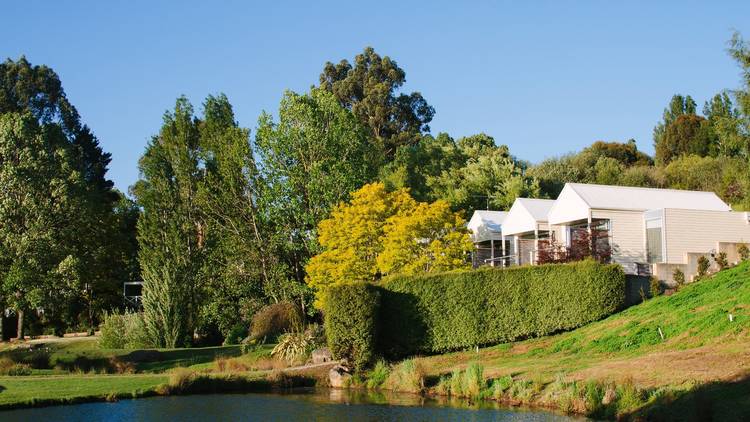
(718, 401)
(162, 360)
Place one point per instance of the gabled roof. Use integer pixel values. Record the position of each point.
(526, 214)
(577, 199)
(641, 199)
(486, 225)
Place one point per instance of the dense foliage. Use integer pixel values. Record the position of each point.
(351, 322)
(66, 234)
(379, 233)
(452, 311)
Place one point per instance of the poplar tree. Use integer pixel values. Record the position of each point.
(170, 230)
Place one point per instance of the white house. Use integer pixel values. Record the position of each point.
(621, 211)
(525, 224)
(649, 231)
(486, 233)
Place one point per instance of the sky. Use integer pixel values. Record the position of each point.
(544, 78)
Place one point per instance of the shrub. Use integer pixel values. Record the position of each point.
(456, 388)
(10, 368)
(236, 334)
(655, 287)
(123, 331)
(453, 311)
(351, 313)
(295, 347)
(275, 319)
(703, 264)
(721, 260)
(743, 251)
(679, 277)
(407, 377)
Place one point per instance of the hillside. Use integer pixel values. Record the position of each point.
(698, 344)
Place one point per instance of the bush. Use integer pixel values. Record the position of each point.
(453, 311)
(679, 277)
(123, 331)
(473, 382)
(10, 368)
(236, 334)
(351, 312)
(295, 347)
(721, 260)
(743, 251)
(275, 319)
(703, 264)
(655, 287)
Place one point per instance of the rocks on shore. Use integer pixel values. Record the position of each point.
(338, 376)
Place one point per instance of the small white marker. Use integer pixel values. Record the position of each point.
(731, 318)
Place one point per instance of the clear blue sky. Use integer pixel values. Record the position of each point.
(544, 78)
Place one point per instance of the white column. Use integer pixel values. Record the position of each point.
(492, 252)
(502, 248)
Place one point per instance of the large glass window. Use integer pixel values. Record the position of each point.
(654, 237)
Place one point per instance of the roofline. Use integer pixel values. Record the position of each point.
(573, 185)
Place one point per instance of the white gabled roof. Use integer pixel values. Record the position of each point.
(486, 225)
(576, 199)
(525, 215)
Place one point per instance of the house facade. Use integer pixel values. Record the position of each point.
(648, 231)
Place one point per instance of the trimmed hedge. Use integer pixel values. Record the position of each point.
(452, 311)
(351, 322)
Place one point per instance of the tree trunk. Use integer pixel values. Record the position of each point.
(19, 332)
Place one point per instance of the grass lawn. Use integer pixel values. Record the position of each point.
(27, 390)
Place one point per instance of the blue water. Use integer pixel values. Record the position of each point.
(320, 405)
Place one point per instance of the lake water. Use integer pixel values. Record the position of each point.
(318, 405)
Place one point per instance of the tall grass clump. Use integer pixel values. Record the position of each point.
(377, 377)
(472, 382)
(407, 377)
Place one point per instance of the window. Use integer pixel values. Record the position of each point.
(654, 237)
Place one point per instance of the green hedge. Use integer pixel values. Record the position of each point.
(351, 322)
(452, 311)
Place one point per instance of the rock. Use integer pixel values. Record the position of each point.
(338, 376)
(321, 355)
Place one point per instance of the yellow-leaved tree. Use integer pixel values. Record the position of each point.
(379, 232)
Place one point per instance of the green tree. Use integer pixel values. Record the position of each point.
(726, 123)
(171, 232)
(678, 106)
(491, 178)
(241, 268)
(687, 134)
(37, 90)
(311, 159)
(417, 166)
(38, 265)
(369, 88)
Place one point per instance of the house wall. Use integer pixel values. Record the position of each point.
(627, 231)
(699, 232)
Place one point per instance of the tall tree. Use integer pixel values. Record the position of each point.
(726, 125)
(38, 201)
(242, 266)
(687, 134)
(679, 105)
(311, 159)
(37, 90)
(171, 232)
(369, 89)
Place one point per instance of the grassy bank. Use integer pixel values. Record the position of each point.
(72, 370)
(672, 357)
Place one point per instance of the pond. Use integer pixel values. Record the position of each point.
(317, 405)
